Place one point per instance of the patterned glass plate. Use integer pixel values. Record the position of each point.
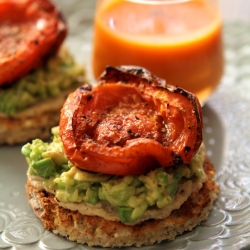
(226, 135)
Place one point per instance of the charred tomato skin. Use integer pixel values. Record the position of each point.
(130, 123)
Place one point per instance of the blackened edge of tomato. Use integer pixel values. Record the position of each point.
(130, 73)
(62, 32)
(62, 16)
(177, 158)
(196, 109)
(187, 148)
(85, 87)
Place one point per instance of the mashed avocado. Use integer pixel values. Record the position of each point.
(58, 74)
(131, 195)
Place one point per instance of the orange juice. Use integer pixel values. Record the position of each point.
(179, 41)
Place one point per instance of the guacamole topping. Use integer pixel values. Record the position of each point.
(58, 74)
(130, 195)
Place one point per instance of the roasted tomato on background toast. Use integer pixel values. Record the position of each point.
(30, 31)
(130, 123)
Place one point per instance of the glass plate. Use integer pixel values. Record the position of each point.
(226, 135)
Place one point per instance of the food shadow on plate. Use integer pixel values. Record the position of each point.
(214, 136)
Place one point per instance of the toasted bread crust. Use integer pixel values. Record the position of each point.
(94, 230)
(34, 122)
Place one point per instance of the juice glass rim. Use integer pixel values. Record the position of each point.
(159, 2)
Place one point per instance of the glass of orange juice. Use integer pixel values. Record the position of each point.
(177, 40)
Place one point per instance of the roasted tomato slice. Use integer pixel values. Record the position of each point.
(30, 30)
(130, 123)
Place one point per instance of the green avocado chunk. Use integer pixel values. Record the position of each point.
(58, 74)
(46, 159)
(130, 195)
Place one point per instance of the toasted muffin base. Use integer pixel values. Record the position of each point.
(96, 231)
(34, 122)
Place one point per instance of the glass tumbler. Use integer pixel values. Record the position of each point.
(177, 40)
